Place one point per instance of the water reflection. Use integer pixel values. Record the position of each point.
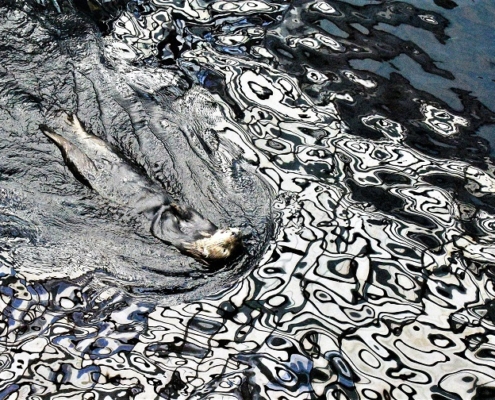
(378, 278)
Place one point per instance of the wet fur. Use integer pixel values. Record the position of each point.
(218, 247)
(182, 227)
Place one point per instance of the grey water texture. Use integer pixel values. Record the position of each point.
(350, 141)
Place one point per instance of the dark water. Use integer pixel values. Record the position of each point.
(352, 140)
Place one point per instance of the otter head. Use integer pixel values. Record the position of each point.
(217, 247)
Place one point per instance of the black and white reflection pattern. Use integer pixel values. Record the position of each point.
(378, 282)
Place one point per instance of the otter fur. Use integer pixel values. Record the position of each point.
(97, 165)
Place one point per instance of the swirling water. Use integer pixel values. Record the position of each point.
(352, 139)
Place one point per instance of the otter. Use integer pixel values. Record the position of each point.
(97, 165)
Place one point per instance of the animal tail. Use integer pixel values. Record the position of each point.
(59, 140)
(78, 162)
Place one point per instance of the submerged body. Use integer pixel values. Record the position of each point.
(97, 165)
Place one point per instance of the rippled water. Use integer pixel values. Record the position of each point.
(352, 141)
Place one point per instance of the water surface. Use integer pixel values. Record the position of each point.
(351, 139)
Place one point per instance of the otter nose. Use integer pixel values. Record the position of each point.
(236, 233)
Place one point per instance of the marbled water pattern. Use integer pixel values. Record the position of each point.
(352, 139)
